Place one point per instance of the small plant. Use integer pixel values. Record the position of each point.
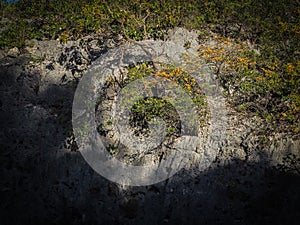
(187, 44)
(147, 109)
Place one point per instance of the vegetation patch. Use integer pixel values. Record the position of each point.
(264, 87)
(264, 82)
(146, 110)
(160, 107)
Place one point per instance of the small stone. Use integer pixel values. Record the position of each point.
(13, 52)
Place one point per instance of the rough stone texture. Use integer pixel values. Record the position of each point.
(13, 52)
(45, 180)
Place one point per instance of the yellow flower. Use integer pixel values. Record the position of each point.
(290, 68)
(188, 86)
(259, 78)
(267, 72)
(294, 106)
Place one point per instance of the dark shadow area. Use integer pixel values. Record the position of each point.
(43, 182)
(66, 190)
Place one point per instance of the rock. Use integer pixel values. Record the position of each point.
(2, 54)
(62, 58)
(50, 66)
(96, 49)
(13, 52)
(183, 37)
(281, 148)
(111, 43)
(45, 179)
(190, 144)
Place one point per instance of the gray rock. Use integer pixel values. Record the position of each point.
(2, 54)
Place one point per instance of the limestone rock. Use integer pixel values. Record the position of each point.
(44, 177)
(13, 52)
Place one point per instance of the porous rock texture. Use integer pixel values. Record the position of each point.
(45, 180)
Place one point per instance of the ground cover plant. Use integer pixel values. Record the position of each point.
(259, 68)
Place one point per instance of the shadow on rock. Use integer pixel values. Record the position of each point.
(45, 182)
(66, 190)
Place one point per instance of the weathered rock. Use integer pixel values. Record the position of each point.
(13, 52)
(182, 36)
(2, 54)
(44, 177)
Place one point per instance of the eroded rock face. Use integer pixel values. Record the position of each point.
(45, 178)
(13, 52)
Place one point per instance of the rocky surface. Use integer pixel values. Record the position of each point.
(44, 178)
